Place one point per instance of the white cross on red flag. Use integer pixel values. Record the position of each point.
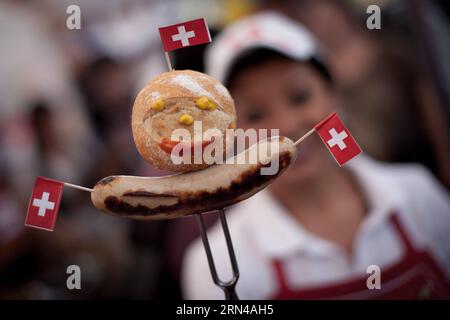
(185, 34)
(338, 139)
(44, 203)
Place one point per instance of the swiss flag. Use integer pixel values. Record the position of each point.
(189, 33)
(338, 139)
(44, 203)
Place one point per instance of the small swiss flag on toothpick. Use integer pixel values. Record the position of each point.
(44, 203)
(338, 139)
(185, 34)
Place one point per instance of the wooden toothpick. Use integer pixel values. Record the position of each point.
(74, 186)
(310, 132)
(169, 64)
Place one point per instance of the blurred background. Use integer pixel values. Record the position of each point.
(65, 105)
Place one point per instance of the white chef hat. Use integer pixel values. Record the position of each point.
(266, 30)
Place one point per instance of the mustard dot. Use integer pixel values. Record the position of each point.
(212, 105)
(186, 119)
(202, 102)
(158, 104)
(205, 103)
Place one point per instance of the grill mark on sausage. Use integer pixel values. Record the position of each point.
(106, 180)
(143, 193)
(197, 202)
(116, 205)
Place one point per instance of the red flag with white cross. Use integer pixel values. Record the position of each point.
(338, 139)
(44, 203)
(185, 34)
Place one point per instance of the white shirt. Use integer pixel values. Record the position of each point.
(262, 230)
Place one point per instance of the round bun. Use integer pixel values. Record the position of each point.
(174, 100)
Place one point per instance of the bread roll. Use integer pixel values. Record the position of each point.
(174, 100)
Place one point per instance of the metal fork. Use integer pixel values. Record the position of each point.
(228, 287)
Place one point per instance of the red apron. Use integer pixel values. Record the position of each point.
(415, 276)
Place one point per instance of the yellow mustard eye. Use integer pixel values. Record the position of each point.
(202, 102)
(212, 105)
(205, 103)
(186, 119)
(158, 104)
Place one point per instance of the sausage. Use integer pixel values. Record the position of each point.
(182, 194)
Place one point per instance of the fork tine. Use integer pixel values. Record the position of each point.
(227, 286)
(230, 248)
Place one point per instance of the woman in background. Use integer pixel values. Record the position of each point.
(318, 229)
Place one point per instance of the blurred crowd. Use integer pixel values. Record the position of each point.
(65, 105)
